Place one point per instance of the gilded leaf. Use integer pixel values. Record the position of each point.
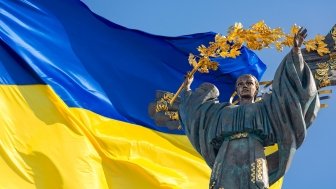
(192, 60)
(213, 65)
(203, 50)
(218, 37)
(235, 27)
(294, 30)
(237, 45)
(278, 46)
(257, 37)
(259, 26)
(288, 40)
(310, 45)
(224, 54)
(319, 37)
(234, 53)
(322, 50)
(225, 47)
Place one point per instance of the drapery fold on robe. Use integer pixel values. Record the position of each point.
(281, 117)
(292, 107)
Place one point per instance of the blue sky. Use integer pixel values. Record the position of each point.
(314, 163)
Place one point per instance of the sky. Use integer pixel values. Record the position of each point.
(314, 163)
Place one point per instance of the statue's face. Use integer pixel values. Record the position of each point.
(246, 87)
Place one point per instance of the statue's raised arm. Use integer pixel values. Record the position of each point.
(292, 106)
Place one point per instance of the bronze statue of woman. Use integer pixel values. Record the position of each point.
(231, 139)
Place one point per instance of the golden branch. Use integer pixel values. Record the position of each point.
(257, 37)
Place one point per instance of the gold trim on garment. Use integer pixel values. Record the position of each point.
(239, 135)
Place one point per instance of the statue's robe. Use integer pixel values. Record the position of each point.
(231, 139)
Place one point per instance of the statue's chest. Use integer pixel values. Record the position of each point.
(242, 113)
(242, 118)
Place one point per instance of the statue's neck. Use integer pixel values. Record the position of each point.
(246, 101)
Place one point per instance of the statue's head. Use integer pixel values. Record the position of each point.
(247, 87)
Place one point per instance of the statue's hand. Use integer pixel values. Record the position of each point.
(189, 80)
(299, 37)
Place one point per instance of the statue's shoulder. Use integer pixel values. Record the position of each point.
(208, 88)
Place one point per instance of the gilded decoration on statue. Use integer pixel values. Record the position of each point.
(257, 37)
(333, 55)
(257, 170)
(333, 64)
(239, 135)
(322, 74)
(223, 131)
(323, 71)
(168, 96)
(161, 105)
(172, 115)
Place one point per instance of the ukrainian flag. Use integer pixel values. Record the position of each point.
(74, 95)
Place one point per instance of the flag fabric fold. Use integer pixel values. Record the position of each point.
(74, 94)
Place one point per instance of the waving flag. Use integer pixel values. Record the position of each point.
(74, 95)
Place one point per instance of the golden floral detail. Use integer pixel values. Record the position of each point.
(192, 60)
(256, 37)
(323, 65)
(259, 174)
(172, 115)
(317, 44)
(332, 55)
(322, 74)
(161, 105)
(257, 170)
(168, 96)
(238, 135)
(324, 83)
(310, 45)
(332, 64)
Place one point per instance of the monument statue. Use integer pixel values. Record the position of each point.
(231, 138)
